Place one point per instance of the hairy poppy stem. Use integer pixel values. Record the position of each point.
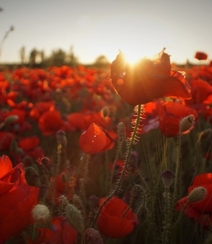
(177, 179)
(131, 141)
(121, 140)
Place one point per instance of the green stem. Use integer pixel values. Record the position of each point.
(177, 181)
(127, 159)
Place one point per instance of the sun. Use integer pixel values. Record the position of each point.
(132, 56)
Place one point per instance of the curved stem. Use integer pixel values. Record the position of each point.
(127, 159)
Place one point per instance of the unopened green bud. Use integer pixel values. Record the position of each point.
(197, 194)
(11, 119)
(74, 217)
(187, 124)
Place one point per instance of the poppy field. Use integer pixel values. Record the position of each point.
(108, 155)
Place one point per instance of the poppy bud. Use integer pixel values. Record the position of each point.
(167, 178)
(41, 213)
(77, 201)
(205, 135)
(197, 194)
(11, 119)
(74, 217)
(93, 236)
(63, 200)
(105, 111)
(93, 202)
(187, 124)
(201, 56)
(61, 138)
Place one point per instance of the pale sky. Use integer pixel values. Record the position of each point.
(95, 28)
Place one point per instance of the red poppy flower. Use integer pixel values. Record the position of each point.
(116, 219)
(5, 140)
(96, 140)
(170, 116)
(82, 121)
(147, 80)
(50, 122)
(39, 108)
(28, 143)
(200, 90)
(76, 121)
(151, 120)
(19, 112)
(200, 211)
(17, 199)
(201, 56)
(60, 233)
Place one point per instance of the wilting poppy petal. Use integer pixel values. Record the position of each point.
(147, 80)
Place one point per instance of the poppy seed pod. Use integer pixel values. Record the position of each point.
(187, 124)
(41, 213)
(167, 178)
(197, 194)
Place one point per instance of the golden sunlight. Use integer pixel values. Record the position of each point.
(132, 56)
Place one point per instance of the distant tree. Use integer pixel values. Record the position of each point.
(42, 55)
(57, 58)
(33, 57)
(23, 55)
(101, 61)
(72, 59)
